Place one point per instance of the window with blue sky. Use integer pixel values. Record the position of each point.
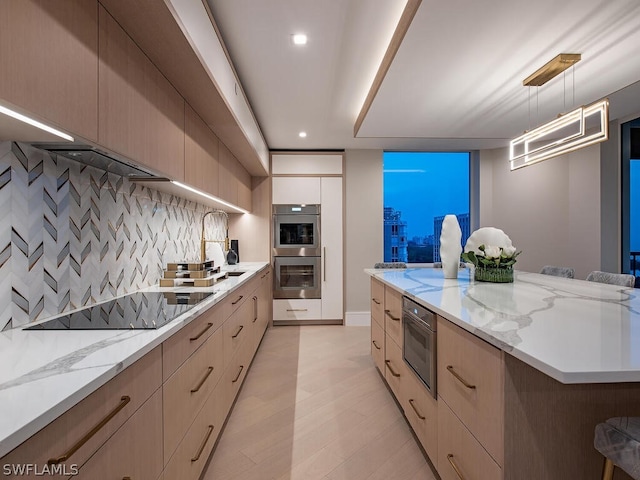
(420, 188)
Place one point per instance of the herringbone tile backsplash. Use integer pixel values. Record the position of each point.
(72, 235)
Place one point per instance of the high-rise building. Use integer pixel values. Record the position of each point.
(465, 226)
(395, 236)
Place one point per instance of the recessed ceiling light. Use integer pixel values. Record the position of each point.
(302, 134)
(299, 39)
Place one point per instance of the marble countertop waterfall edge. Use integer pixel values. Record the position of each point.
(572, 330)
(44, 373)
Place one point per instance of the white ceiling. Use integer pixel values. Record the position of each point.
(455, 83)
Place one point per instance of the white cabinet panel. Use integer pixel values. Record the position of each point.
(294, 190)
(297, 309)
(306, 164)
(331, 238)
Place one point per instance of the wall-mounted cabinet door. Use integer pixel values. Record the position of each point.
(49, 52)
(201, 153)
(296, 190)
(141, 115)
(332, 252)
(228, 183)
(244, 186)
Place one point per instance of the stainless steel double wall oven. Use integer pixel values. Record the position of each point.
(296, 251)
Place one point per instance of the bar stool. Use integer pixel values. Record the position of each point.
(618, 440)
(622, 279)
(565, 272)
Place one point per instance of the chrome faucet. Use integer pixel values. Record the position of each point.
(204, 241)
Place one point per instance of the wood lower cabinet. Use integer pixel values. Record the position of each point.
(377, 301)
(377, 345)
(460, 455)
(186, 391)
(393, 314)
(134, 451)
(141, 115)
(471, 382)
(115, 402)
(395, 369)
(49, 51)
(421, 410)
(137, 426)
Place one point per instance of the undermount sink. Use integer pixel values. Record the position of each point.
(235, 273)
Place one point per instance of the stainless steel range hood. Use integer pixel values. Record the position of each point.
(90, 155)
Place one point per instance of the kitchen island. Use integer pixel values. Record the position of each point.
(559, 356)
(45, 374)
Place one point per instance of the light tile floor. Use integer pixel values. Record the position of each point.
(313, 407)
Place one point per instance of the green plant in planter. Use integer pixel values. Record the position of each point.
(493, 264)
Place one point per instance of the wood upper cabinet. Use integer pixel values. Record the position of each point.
(244, 186)
(228, 183)
(141, 115)
(201, 152)
(50, 62)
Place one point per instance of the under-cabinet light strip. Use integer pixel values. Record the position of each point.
(210, 197)
(35, 123)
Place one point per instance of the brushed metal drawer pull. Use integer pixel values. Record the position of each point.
(297, 309)
(454, 466)
(421, 417)
(388, 362)
(238, 375)
(204, 379)
(204, 444)
(459, 378)
(126, 478)
(395, 319)
(376, 345)
(255, 309)
(375, 301)
(193, 339)
(238, 332)
(239, 298)
(74, 448)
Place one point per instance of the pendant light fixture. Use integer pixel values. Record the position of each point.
(571, 131)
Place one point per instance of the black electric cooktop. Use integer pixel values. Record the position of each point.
(142, 310)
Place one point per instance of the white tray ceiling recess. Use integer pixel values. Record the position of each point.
(455, 82)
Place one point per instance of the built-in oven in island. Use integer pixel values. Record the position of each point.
(419, 344)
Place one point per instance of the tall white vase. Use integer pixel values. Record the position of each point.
(450, 246)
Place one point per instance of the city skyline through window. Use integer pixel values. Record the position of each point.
(420, 188)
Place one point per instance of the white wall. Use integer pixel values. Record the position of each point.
(364, 229)
(550, 210)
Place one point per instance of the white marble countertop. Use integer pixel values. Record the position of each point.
(43, 373)
(572, 330)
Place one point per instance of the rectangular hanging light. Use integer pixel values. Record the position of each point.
(551, 69)
(580, 128)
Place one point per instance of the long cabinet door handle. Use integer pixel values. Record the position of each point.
(376, 345)
(376, 301)
(238, 375)
(255, 309)
(454, 466)
(238, 332)
(75, 447)
(412, 403)
(459, 378)
(324, 264)
(237, 300)
(297, 309)
(388, 313)
(204, 379)
(388, 362)
(203, 444)
(204, 330)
